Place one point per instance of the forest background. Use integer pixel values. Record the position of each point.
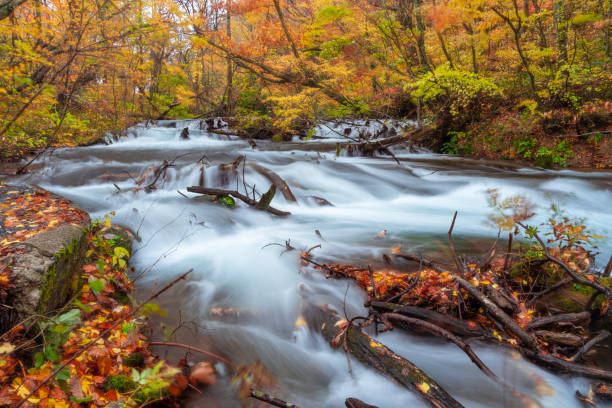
(525, 80)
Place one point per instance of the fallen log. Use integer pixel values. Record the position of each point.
(270, 400)
(221, 192)
(604, 334)
(560, 318)
(276, 180)
(371, 353)
(567, 366)
(450, 323)
(355, 403)
(567, 339)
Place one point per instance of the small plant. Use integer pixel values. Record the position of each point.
(526, 147)
(557, 156)
(460, 143)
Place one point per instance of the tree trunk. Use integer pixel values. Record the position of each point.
(8, 6)
(373, 354)
(560, 29)
(228, 31)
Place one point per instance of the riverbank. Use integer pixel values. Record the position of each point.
(81, 340)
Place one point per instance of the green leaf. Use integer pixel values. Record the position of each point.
(70, 318)
(39, 359)
(101, 266)
(121, 252)
(227, 201)
(153, 308)
(83, 307)
(127, 328)
(64, 374)
(97, 286)
(50, 354)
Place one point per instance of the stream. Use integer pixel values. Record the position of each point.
(233, 268)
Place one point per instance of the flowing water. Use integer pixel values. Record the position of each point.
(233, 267)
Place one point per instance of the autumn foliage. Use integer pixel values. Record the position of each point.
(70, 72)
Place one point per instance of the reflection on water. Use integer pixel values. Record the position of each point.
(414, 202)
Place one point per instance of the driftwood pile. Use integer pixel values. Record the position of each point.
(501, 300)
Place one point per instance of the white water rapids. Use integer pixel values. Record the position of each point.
(413, 201)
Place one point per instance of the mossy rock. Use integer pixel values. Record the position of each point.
(573, 298)
(121, 384)
(135, 359)
(46, 273)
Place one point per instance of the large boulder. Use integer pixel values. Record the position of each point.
(43, 271)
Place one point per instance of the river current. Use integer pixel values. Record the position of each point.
(233, 268)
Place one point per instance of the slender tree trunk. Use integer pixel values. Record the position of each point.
(279, 11)
(228, 28)
(444, 49)
(608, 31)
(560, 29)
(420, 26)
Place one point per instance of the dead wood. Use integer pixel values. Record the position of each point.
(270, 400)
(382, 145)
(608, 269)
(221, 192)
(498, 314)
(266, 198)
(567, 339)
(604, 334)
(586, 401)
(355, 403)
(192, 348)
(603, 391)
(275, 179)
(458, 264)
(450, 323)
(428, 263)
(582, 317)
(504, 302)
(439, 331)
(371, 353)
(567, 366)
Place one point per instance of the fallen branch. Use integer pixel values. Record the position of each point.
(498, 313)
(567, 339)
(270, 400)
(439, 331)
(568, 366)
(235, 194)
(586, 401)
(355, 403)
(101, 336)
(458, 264)
(604, 334)
(274, 179)
(374, 354)
(450, 323)
(192, 348)
(560, 318)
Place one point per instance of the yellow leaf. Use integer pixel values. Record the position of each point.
(300, 321)
(6, 348)
(423, 387)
